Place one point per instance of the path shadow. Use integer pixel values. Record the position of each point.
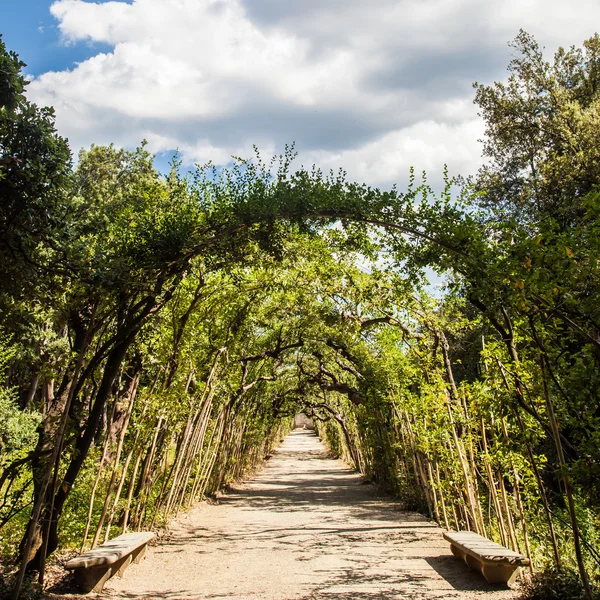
(460, 576)
(382, 586)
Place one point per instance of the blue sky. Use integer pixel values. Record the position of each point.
(29, 29)
(374, 88)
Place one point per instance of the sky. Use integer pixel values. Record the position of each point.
(371, 87)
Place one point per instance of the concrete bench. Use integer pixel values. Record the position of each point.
(94, 568)
(495, 562)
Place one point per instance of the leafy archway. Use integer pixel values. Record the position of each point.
(159, 333)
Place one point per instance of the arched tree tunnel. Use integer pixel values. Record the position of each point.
(250, 298)
(259, 309)
(162, 332)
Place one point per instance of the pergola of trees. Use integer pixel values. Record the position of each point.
(157, 334)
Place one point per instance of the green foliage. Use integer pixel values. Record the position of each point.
(12, 83)
(542, 131)
(555, 585)
(17, 429)
(34, 164)
(168, 328)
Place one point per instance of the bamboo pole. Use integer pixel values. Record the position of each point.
(195, 449)
(465, 471)
(201, 464)
(436, 510)
(200, 428)
(519, 502)
(538, 477)
(127, 510)
(512, 534)
(166, 477)
(436, 470)
(567, 483)
(142, 484)
(96, 482)
(132, 391)
(122, 479)
(207, 471)
(492, 486)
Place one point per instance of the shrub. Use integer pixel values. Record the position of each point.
(555, 585)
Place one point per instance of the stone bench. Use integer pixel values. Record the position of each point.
(94, 568)
(495, 562)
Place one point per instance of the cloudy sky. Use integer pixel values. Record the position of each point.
(373, 87)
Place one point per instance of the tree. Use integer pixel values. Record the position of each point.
(34, 165)
(542, 134)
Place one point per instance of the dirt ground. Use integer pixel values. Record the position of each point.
(306, 528)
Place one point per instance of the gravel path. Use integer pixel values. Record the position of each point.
(304, 528)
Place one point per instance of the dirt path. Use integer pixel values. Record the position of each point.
(305, 528)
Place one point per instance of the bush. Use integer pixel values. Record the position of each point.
(555, 585)
(17, 429)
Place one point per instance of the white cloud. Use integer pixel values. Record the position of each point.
(427, 145)
(373, 87)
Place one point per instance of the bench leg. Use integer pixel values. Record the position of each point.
(499, 574)
(473, 563)
(122, 565)
(139, 554)
(466, 558)
(90, 579)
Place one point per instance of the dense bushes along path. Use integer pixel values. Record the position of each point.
(305, 527)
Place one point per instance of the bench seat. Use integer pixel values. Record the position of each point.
(94, 568)
(495, 562)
